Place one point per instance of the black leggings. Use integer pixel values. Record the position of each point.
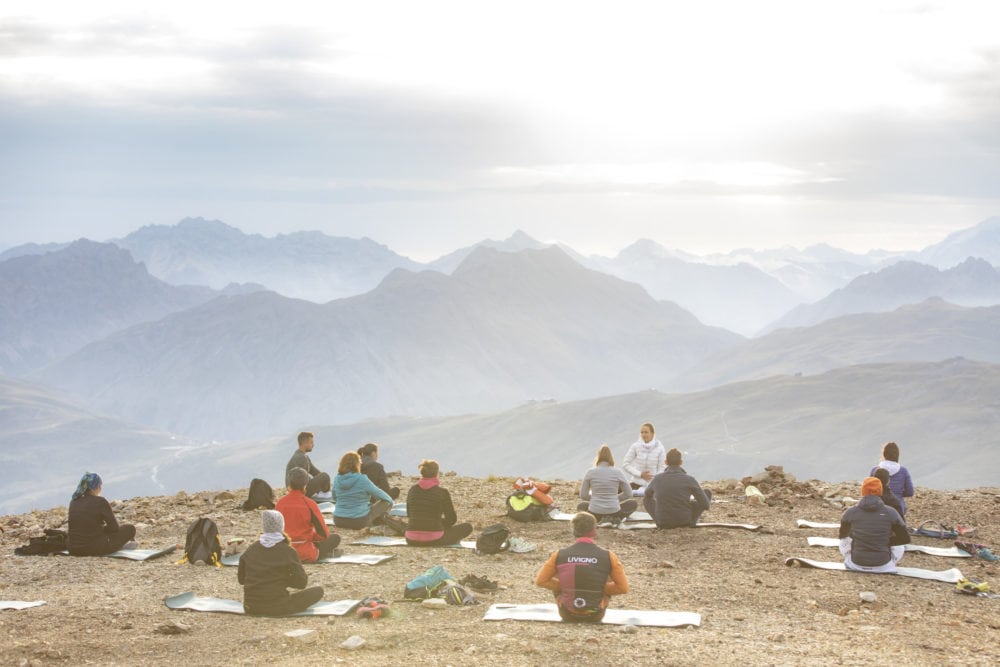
(107, 543)
(452, 535)
(293, 603)
(375, 511)
(626, 508)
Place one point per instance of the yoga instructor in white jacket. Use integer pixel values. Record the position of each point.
(646, 457)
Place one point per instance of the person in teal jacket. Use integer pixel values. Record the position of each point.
(354, 493)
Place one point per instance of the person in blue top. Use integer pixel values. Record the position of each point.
(899, 477)
(354, 493)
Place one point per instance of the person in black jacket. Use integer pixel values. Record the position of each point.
(269, 567)
(374, 470)
(430, 514)
(674, 498)
(93, 529)
(872, 535)
(888, 497)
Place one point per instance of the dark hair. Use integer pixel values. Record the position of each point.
(674, 457)
(368, 450)
(891, 452)
(349, 462)
(304, 437)
(604, 455)
(429, 468)
(298, 478)
(883, 476)
(583, 523)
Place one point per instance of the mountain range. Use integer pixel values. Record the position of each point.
(974, 282)
(944, 416)
(933, 330)
(502, 329)
(54, 303)
(302, 265)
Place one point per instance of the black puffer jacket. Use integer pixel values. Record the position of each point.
(873, 527)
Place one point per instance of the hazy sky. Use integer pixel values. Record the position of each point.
(431, 125)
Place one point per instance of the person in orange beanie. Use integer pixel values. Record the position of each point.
(872, 534)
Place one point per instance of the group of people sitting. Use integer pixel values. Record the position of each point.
(669, 495)
(582, 576)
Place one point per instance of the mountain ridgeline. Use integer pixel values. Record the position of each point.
(508, 357)
(502, 329)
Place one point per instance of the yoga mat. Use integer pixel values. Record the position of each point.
(399, 509)
(641, 526)
(19, 604)
(387, 541)
(945, 552)
(143, 554)
(354, 559)
(803, 523)
(192, 602)
(549, 612)
(952, 576)
(637, 516)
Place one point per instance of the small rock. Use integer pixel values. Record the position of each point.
(470, 650)
(354, 642)
(172, 628)
(304, 635)
(665, 564)
(434, 603)
(867, 596)
(628, 629)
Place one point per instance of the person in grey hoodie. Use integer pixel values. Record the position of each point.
(606, 491)
(354, 493)
(645, 458)
(872, 534)
(899, 477)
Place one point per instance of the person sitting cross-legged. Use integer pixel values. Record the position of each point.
(583, 576)
(355, 492)
(674, 498)
(606, 491)
(872, 535)
(268, 568)
(304, 522)
(432, 521)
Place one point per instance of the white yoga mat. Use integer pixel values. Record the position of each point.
(549, 612)
(399, 509)
(644, 526)
(945, 552)
(19, 604)
(803, 523)
(635, 517)
(352, 559)
(143, 554)
(952, 576)
(192, 602)
(388, 541)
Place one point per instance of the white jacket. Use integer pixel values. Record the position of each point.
(643, 457)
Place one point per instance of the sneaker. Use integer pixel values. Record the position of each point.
(476, 583)
(131, 544)
(398, 526)
(520, 546)
(987, 555)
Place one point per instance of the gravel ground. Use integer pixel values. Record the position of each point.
(755, 610)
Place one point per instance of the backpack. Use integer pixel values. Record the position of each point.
(203, 543)
(261, 495)
(52, 542)
(493, 539)
(522, 507)
(455, 593)
(424, 586)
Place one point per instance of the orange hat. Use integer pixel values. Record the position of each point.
(872, 486)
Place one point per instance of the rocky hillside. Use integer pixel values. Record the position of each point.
(755, 610)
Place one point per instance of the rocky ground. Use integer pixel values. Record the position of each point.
(755, 610)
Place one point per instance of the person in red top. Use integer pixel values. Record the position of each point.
(583, 576)
(304, 523)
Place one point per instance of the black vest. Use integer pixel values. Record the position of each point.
(582, 569)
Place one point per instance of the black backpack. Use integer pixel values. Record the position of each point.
(532, 512)
(203, 543)
(261, 496)
(493, 539)
(52, 542)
